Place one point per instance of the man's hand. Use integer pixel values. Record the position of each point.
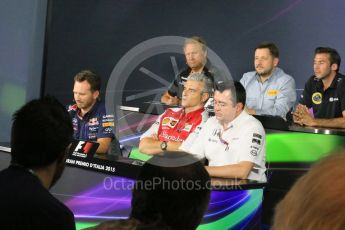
(302, 116)
(173, 101)
(154, 136)
(104, 144)
(170, 100)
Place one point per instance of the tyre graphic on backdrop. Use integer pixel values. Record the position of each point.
(143, 74)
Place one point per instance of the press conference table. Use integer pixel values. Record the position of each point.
(88, 189)
(291, 149)
(99, 188)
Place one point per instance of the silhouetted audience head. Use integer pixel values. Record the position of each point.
(41, 131)
(172, 191)
(40, 140)
(316, 201)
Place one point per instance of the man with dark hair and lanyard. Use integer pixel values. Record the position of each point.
(232, 141)
(195, 51)
(322, 103)
(89, 118)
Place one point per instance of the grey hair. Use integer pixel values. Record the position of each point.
(196, 40)
(208, 84)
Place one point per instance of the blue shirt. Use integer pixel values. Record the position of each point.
(93, 125)
(276, 96)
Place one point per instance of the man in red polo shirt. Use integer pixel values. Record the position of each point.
(175, 124)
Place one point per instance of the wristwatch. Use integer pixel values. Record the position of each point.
(164, 145)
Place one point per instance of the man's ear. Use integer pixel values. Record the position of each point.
(95, 94)
(205, 57)
(275, 61)
(205, 97)
(334, 67)
(239, 107)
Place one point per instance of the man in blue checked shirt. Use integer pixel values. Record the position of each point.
(270, 91)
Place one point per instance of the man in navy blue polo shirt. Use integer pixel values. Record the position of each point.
(89, 118)
(322, 103)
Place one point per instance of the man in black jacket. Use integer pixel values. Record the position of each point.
(40, 139)
(195, 51)
(322, 103)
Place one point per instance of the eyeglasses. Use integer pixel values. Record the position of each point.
(219, 103)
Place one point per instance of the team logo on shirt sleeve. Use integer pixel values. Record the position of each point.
(108, 130)
(108, 124)
(316, 98)
(256, 138)
(254, 152)
(256, 141)
(108, 120)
